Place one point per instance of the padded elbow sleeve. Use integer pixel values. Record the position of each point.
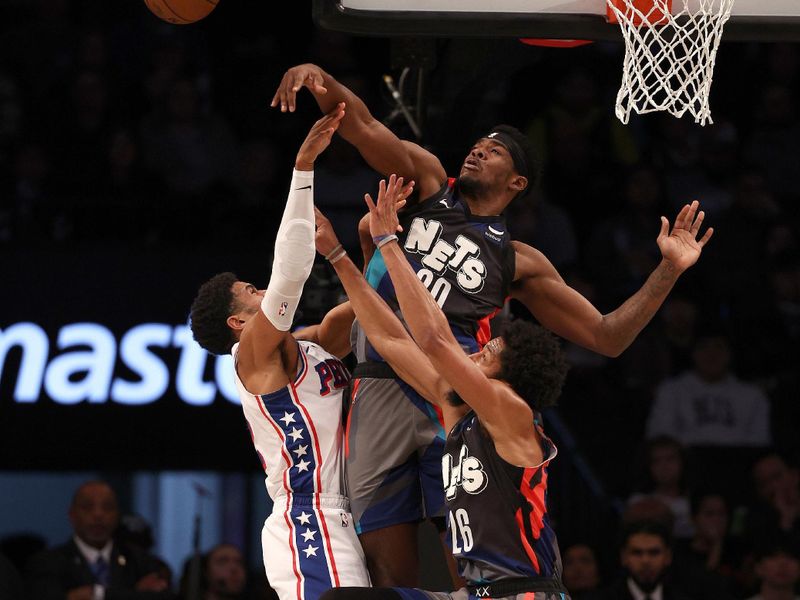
(294, 253)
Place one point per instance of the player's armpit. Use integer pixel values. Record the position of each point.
(333, 334)
(530, 263)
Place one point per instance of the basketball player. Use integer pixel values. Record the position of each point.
(456, 240)
(291, 394)
(494, 467)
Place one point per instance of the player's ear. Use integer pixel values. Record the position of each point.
(519, 183)
(235, 323)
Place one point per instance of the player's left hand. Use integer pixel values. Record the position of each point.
(318, 138)
(681, 246)
(325, 237)
(391, 198)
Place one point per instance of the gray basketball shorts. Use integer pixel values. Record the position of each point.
(394, 441)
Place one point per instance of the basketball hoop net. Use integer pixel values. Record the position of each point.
(669, 58)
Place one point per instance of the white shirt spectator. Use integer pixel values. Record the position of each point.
(726, 412)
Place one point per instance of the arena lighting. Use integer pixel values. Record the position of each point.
(81, 367)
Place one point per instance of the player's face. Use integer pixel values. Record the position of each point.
(487, 165)
(94, 514)
(488, 359)
(246, 297)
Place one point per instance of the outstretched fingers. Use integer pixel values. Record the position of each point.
(697, 222)
(293, 80)
(680, 220)
(370, 203)
(707, 236)
(664, 232)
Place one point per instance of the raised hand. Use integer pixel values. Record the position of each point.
(325, 237)
(681, 246)
(391, 198)
(319, 138)
(306, 75)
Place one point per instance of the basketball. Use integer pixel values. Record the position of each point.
(181, 12)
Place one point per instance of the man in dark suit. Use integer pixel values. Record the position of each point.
(91, 566)
(646, 556)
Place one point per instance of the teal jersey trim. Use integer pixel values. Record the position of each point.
(376, 270)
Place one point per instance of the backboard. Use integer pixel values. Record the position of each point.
(763, 20)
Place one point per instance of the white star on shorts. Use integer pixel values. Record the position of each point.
(301, 450)
(304, 518)
(287, 418)
(296, 434)
(310, 551)
(309, 535)
(303, 466)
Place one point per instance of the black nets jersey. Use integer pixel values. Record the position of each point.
(466, 261)
(498, 525)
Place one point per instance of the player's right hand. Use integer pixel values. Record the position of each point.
(383, 213)
(305, 75)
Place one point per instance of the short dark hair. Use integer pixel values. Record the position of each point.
(532, 161)
(532, 363)
(209, 313)
(648, 526)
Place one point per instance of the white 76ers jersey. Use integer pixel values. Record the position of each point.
(297, 431)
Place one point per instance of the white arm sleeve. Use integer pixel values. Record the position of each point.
(294, 253)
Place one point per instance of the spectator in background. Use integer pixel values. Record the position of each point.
(222, 575)
(645, 556)
(778, 569)
(664, 477)
(679, 319)
(92, 565)
(581, 572)
(709, 405)
(134, 530)
(709, 559)
(776, 514)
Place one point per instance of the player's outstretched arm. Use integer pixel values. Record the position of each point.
(381, 325)
(567, 313)
(378, 145)
(267, 351)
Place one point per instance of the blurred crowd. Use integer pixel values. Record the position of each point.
(116, 128)
(110, 555)
(674, 541)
